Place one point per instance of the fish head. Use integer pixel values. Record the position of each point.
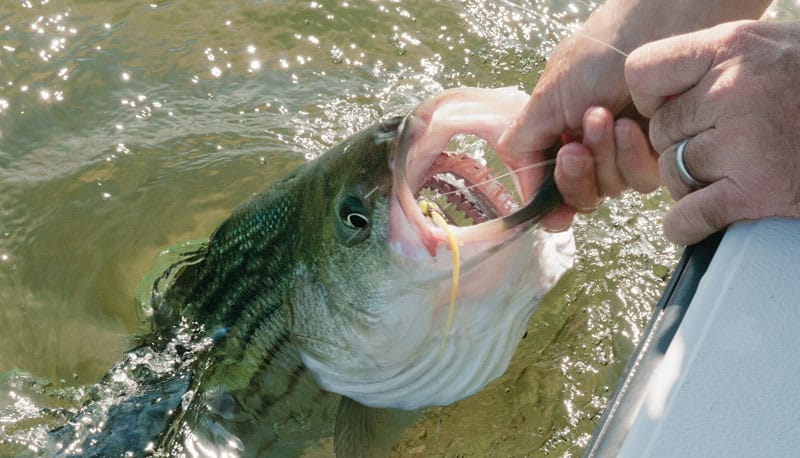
(370, 314)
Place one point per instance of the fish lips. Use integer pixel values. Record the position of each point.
(421, 137)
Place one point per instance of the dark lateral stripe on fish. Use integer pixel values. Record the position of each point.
(225, 287)
(257, 286)
(245, 280)
(267, 357)
(260, 316)
(266, 346)
(217, 291)
(268, 401)
(272, 352)
(243, 251)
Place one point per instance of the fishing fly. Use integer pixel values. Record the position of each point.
(432, 211)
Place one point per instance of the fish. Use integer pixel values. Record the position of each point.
(318, 307)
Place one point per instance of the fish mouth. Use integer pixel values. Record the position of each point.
(465, 190)
(480, 210)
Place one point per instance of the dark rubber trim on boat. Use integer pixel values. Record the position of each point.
(611, 430)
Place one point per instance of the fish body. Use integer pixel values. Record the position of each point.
(319, 306)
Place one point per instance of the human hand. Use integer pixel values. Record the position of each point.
(613, 156)
(732, 92)
(560, 104)
(586, 70)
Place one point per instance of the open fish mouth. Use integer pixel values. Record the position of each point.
(464, 266)
(466, 190)
(476, 205)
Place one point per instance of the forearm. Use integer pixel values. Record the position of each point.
(627, 24)
(587, 70)
(599, 49)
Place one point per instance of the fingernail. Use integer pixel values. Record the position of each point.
(559, 220)
(557, 229)
(556, 224)
(572, 166)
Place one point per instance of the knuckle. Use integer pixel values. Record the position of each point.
(699, 155)
(715, 214)
(740, 37)
(734, 205)
(679, 225)
(685, 118)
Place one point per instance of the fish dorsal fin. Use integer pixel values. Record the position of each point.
(368, 432)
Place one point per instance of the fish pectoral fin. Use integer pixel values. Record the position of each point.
(368, 432)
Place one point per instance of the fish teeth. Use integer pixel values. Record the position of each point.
(471, 194)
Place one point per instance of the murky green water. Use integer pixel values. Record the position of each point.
(127, 127)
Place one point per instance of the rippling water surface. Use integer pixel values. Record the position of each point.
(128, 127)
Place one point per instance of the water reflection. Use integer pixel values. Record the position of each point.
(127, 127)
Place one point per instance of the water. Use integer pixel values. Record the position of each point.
(128, 127)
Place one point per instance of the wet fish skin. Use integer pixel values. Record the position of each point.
(248, 386)
(330, 280)
(247, 281)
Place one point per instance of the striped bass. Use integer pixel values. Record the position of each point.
(328, 304)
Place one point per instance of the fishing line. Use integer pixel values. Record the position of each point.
(601, 42)
(567, 28)
(350, 239)
(507, 174)
(366, 196)
(358, 231)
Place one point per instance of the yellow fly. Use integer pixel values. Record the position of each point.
(430, 210)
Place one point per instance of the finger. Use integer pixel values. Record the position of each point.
(559, 220)
(686, 115)
(527, 140)
(707, 155)
(667, 164)
(598, 136)
(660, 69)
(702, 213)
(536, 129)
(575, 177)
(703, 158)
(636, 161)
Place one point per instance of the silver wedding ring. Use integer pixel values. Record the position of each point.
(683, 172)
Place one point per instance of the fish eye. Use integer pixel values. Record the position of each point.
(353, 220)
(356, 220)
